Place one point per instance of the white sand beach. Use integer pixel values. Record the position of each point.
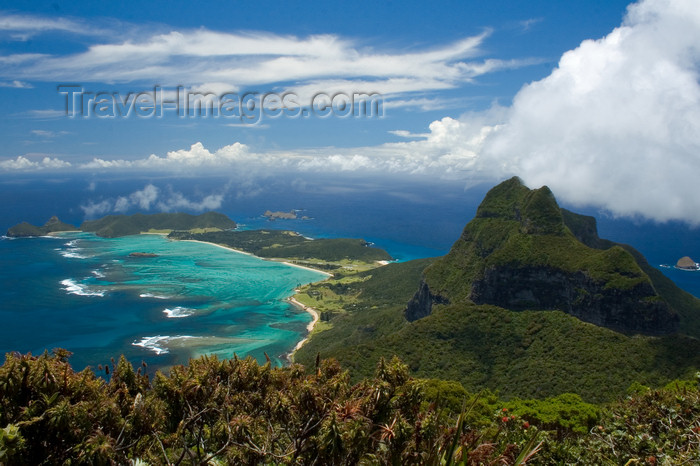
(315, 317)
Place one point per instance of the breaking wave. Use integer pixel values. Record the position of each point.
(158, 343)
(73, 287)
(154, 296)
(178, 312)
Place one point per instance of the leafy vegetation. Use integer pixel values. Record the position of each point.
(519, 354)
(527, 354)
(516, 227)
(234, 412)
(113, 226)
(239, 412)
(289, 244)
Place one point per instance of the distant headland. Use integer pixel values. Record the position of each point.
(212, 227)
(53, 225)
(114, 226)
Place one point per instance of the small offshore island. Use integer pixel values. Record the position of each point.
(281, 215)
(686, 263)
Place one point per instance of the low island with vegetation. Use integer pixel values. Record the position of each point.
(324, 253)
(113, 226)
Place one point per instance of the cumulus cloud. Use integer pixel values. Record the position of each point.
(145, 197)
(176, 201)
(152, 197)
(97, 209)
(617, 123)
(22, 163)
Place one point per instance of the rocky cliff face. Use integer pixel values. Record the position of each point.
(422, 302)
(522, 252)
(637, 309)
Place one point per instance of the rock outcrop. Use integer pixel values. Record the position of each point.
(422, 303)
(686, 263)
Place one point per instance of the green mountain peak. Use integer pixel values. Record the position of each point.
(523, 252)
(536, 210)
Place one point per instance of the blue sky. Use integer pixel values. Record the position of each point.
(597, 99)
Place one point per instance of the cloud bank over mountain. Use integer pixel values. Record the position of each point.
(617, 123)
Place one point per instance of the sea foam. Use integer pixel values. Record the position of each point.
(72, 287)
(178, 312)
(72, 253)
(154, 296)
(158, 343)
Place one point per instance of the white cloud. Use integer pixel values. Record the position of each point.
(176, 201)
(53, 163)
(48, 134)
(20, 58)
(145, 197)
(527, 24)
(48, 113)
(23, 27)
(122, 204)
(402, 133)
(423, 103)
(96, 209)
(16, 84)
(232, 60)
(152, 197)
(22, 163)
(617, 123)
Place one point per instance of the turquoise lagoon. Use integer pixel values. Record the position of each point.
(88, 295)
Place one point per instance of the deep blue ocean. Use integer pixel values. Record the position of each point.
(87, 295)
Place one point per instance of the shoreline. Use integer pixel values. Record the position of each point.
(315, 318)
(305, 267)
(219, 246)
(279, 260)
(315, 315)
(57, 234)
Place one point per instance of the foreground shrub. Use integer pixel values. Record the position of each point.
(238, 412)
